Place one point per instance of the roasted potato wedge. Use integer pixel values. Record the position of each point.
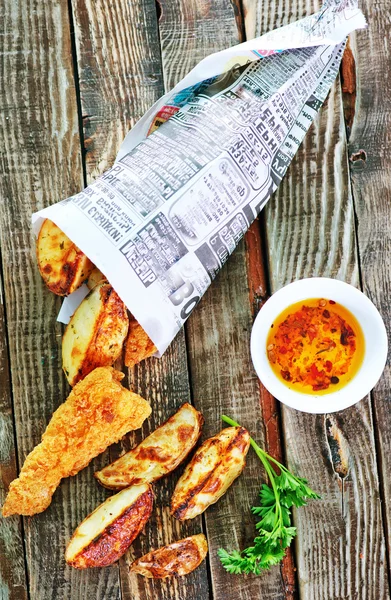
(105, 535)
(179, 558)
(213, 468)
(95, 334)
(158, 454)
(138, 345)
(62, 265)
(95, 277)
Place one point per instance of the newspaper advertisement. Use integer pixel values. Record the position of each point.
(198, 168)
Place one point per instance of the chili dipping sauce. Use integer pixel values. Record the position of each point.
(315, 346)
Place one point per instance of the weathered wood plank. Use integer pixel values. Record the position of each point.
(165, 384)
(189, 31)
(224, 382)
(261, 16)
(310, 226)
(368, 113)
(40, 164)
(120, 78)
(13, 584)
(218, 331)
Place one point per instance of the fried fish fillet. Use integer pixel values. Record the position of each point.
(97, 413)
(138, 345)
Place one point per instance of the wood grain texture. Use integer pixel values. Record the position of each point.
(189, 31)
(120, 78)
(218, 331)
(261, 16)
(40, 164)
(310, 231)
(119, 67)
(13, 584)
(310, 225)
(369, 107)
(165, 384)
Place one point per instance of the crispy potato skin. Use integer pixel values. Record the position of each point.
(112, 543)
(138, 345)
(213, 468)
(158, 454)
(62, 265)
(97, 413)
(179, 558)
(84, 348)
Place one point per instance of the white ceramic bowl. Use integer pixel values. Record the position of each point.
(375, 344)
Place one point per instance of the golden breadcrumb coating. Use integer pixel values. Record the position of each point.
(138, 345)
(97, 413)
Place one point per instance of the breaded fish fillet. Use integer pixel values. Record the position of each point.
(138, 345)
(97, 413)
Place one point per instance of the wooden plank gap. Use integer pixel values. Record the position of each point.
(237, 6)
(382, 490)
(259, 292)
(6, 389)
(159, 13)
(77, 92)
(208, 562)
(348, 85)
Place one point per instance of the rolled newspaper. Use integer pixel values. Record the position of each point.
(198, 168)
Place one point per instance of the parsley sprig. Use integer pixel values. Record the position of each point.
(275, 531)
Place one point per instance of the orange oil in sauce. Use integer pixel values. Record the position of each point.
(315, 346)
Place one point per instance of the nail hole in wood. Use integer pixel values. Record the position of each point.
(361, 155)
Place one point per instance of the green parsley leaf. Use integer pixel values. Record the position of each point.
(274, 528)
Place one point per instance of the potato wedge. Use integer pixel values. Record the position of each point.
(95, 334)
(158, 454)
(138, 345)
(62, 265)
(105, 535)
(95, 277)
(213, 468)
(179, 558)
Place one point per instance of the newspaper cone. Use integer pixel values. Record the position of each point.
(199, 167)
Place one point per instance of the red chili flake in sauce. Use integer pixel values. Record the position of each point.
(312, 345)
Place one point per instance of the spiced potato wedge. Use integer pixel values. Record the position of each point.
(105, 535)
(95, 334)
(178, 558)
(213, 468)
(62, 265)
(158, 454)
(138, 345)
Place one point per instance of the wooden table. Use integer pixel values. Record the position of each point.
(74, 80)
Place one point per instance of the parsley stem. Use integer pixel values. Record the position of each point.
(253, 443)
(264, 458)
